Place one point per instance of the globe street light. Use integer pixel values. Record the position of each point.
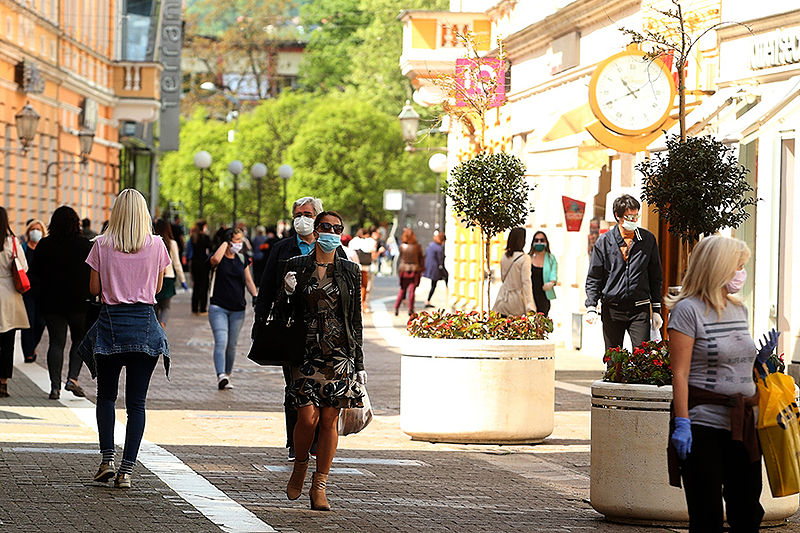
(235, 167)
(438, 164)
(285, 172)
(202, 160)
(258, 171)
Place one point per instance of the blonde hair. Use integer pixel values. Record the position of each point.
(129, 224)
(712, 265)
(32, 223)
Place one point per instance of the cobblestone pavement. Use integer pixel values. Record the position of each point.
(214, 460)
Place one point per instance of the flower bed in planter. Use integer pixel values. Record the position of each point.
(628, 473)
(474, 390)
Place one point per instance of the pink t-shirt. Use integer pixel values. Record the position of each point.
(129, 278)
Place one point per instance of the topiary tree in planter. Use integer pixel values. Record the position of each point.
(489, 192)
(697, 186)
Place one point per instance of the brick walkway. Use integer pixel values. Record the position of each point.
(214, 460)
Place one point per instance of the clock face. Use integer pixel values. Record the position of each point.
(630, 94)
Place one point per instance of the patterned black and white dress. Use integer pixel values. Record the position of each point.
(327, 375)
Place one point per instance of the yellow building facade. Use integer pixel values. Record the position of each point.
(58, 56)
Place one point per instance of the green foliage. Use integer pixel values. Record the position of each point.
(441, 324)
(649, 364)
(697, 186)
(346, 152)
(355, 48)
(490, 191)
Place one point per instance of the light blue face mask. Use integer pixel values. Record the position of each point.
(328, 242)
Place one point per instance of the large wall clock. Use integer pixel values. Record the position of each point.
(630, 94)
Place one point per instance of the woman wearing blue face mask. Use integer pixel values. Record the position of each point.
(544, 272)
(327, 290)
(230, 276)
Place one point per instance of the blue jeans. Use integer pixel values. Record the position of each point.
(226, 326)
(138, 369)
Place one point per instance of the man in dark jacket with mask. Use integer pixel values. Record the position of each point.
(625, 275)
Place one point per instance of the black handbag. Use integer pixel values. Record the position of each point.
(279, 341)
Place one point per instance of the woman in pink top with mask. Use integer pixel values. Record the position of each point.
(128, 264)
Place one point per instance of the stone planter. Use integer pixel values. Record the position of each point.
(628, 473)
(475, 391)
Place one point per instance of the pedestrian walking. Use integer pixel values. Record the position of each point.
(544, 272)
(714, 426)
(367, 248)
(515, 297)
(174, 272)
(229, 279)
(302, 242)
(12, 307)
(412, 263)
(86, 229)
(325, 289)
(198, 250)
(260, 252)
(63, 275)
(434, 264)
(128, 264)
(625, 276)
(34, 232)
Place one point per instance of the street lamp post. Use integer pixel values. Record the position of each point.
(409, 122)
(202, 160)
(258, 171)
(235, 167)
(438, 164)
(285, 172)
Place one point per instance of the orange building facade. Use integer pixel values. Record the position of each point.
(60, 57)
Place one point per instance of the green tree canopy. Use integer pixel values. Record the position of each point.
(347, 152)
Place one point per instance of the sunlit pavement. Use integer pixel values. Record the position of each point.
(214, 460)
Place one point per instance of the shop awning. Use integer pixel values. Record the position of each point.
(560, 142)
(773, 109)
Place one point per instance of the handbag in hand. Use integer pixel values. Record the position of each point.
(21, 281)
(279, 341)
(355, 419)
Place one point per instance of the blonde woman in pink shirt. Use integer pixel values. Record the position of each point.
(128, 264)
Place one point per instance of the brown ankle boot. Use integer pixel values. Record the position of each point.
(295, 487)
(317, 493)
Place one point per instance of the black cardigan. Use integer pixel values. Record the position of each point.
(347, 275)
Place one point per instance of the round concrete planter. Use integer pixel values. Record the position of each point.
(628, 473)
(475, 391)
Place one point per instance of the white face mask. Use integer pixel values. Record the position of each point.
(304, 226)
(35, 235)
(236, 247)
(627, 225)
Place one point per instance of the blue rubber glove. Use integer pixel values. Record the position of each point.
(768, 345)
(682, 437)
(185, 287)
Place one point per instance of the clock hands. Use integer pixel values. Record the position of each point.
(631, 92)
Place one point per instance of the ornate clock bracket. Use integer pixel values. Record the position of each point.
(626, 143)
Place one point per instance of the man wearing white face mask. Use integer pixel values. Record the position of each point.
(625, 275)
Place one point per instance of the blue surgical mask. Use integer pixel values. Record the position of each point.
(35, 235)
(328, 242)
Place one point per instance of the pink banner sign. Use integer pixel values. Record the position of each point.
(573, 212)
(479, 78)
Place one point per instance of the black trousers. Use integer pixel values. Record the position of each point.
(199, 290)
(616, 322)
(718, 468)
(7, 353)
(57, 331)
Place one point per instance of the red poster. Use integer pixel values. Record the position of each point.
(485, 76)
(573, 212)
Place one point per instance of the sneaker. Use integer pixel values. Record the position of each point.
(291, 454)
(105, 472)
(122, 481)
(74, 388)
(223, 381)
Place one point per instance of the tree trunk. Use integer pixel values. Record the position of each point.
(488, 271)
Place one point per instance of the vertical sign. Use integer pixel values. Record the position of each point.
(479, 79)
(573, 213)
(171, 44)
